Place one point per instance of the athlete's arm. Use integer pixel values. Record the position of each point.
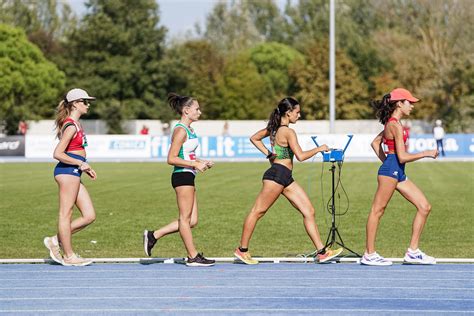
(256, 140)
(377, 147)
(295, 146)
(60, 150)
(397, 131)
(177, 140)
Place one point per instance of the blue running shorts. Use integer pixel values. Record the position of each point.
(391, 167)
(64, 168)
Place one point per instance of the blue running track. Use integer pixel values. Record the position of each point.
(236, 289)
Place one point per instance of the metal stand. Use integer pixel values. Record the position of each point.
(333, 232)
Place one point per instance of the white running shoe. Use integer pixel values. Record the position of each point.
(53, 246)
(375, 259)
(75, 260)
(418, 257)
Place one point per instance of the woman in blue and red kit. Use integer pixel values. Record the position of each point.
(71, 153)
(391, 176)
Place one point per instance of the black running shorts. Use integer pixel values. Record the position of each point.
(182, 178)
(279, 174)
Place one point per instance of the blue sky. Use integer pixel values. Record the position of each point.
(179, 16)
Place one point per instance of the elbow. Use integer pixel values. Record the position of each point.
(402, 158)
(169, 161)
(300, 158)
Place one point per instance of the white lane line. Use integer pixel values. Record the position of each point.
(234, 310)
(234, 278)
(322, 286)
(98, 298)
(217, 269)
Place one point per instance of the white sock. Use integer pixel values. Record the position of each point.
(413, 251)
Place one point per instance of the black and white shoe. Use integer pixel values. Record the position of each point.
(149, 242)
(199, 261)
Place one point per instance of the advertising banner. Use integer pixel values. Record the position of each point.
(12, 146)
(222, 147)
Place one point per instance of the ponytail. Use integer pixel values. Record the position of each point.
(274, 122)
(63, 111)
(384, 108)
(178, 102)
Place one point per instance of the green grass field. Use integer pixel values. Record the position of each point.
(131, 197)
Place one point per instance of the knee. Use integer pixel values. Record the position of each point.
(378, 210)
(193, 222)
(309, 214)
(258, 213)
(90, 218)
(65, 213)
(425, 209)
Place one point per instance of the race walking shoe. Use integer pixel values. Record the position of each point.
(245, 257)
(328, 255)
(418, 257)
(200, 261)
(149, 241)
(375, 259)
(75, 260)
(54, 250)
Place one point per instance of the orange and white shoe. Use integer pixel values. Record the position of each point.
(328, 255)
(245, 257)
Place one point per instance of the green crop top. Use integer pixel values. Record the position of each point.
(283, 152)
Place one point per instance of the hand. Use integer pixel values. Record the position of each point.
(84, 166)
(432, 153)
(200, 166)
(323, 147)
(91, 173)
(209, 163)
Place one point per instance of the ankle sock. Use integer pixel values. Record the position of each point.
(243, 249)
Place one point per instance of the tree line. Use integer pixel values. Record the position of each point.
(248, 55)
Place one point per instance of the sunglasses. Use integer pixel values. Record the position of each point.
(85, 102)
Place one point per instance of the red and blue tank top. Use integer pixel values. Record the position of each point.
(79, 140)
(390, 143)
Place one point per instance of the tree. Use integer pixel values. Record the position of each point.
(242, 91)
(312, 84)
(273, 61)
(116, 55)
(47, 23)
(30, 86)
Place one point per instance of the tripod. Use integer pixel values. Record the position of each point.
(333, 232)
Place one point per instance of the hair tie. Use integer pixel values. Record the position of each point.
(387, 96)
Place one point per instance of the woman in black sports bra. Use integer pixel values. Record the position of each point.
(278, 179)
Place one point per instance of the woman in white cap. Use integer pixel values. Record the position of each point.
(71, 154)
(391, 176)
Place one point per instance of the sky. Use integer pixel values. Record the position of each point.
(179, 16)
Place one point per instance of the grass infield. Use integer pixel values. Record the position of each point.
(131, 197)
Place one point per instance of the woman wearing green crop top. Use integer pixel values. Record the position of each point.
(278, 179)
(182, 155)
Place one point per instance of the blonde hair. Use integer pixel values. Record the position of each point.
(63, 111)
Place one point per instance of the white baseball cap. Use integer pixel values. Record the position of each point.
(78, 94)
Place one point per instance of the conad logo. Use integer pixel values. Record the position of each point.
(127, 144)
(9, 145)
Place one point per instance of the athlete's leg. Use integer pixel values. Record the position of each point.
(385, 189)
(85, 206)
(265, 199)
(413, 194)
(185, 196)
(68, 191)
(300, 200)
(173, 227)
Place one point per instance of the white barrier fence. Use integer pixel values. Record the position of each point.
(234, 147)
